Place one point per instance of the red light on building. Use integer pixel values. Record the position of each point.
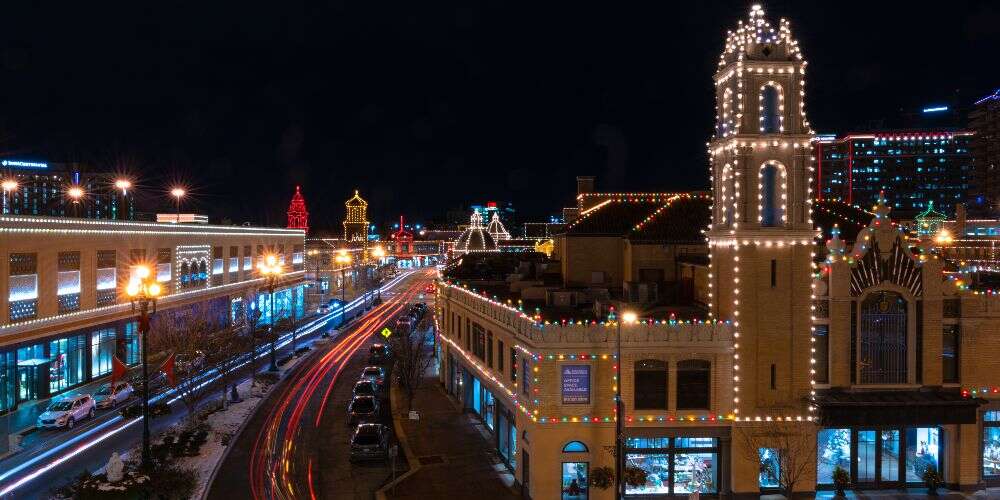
(298, 217)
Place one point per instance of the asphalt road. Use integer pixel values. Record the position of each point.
(296, 445)
(55, 457)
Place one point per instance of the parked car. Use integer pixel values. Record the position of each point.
(365, 388)
(370, 442)
(374, 373)
(363, 409)
(323, 309)
(378, 354)
(110, 397)
(405, 323)
(66, 412)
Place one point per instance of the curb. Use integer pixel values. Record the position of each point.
(411, 459)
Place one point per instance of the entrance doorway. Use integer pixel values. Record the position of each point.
(27, 383)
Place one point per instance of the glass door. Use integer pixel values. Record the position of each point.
(26, 383)
(877, 462)
(889, 456)
(865, 461)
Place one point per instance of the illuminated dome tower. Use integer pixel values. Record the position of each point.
(475, 238)
(761, 237)
(298, 217)
(356, 221)
(496, 228)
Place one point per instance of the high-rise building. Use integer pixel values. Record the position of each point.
(984, 119)
(63, 190)
(912, 168)
(356, 220)
(298, 216)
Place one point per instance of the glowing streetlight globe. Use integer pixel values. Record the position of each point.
(177, 192)
(9, 185)
(75, 192)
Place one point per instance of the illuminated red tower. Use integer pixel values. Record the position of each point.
(298, 217)
(404, 240)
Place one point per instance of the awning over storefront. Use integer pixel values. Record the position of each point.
(896, 408)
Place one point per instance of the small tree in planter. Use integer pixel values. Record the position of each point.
(841, 480)
(602, 478)
(795, 448)
(932, 478)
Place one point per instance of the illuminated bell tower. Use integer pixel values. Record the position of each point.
(356, 221)
(761, 235)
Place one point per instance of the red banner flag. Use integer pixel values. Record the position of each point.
(168, 369)
(118, 370)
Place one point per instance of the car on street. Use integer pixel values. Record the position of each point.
(190, 362)
(378, 354)
(363, 409)
(370, 442)
(67, 412)
(374, 373)
(323, 309)
(109, 397)
(365, 388)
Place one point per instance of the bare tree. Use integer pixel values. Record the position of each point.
(412, 359)
(189, 339)
(250, 322)
(224, 356)
(790, 447)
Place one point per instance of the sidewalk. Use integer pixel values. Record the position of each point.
(456, 460)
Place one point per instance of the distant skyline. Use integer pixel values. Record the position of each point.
(426, 107)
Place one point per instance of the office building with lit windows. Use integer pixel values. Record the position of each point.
(63, 310)
(913, 168)
(64, 190)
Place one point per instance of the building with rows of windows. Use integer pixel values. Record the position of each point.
(913, 168)
(42, 188)
(63, 309)
(771, 322)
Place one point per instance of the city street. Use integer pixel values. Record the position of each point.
(297, 445)
(52, 457)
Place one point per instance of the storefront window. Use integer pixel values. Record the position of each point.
(922, 446)
(673, 465)
(770, 468)
(8, 377)
(67, 359)
(476, 401)
(694, 472)
(513, 445)
(488, 406)
(833, 448)
(132, 343)
(574, 480)
(102, 347)
(991, 444)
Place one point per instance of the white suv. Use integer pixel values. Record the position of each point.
(106, 397)
(66, 412)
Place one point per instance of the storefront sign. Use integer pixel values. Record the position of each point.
(576, 384)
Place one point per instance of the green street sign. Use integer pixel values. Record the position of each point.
(386, 332)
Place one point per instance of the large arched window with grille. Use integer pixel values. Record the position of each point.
(772, 203)
(882, 349)
(770, 109)
(650, 384)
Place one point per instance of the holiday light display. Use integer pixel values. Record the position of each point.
(298, 216)
(356, 218)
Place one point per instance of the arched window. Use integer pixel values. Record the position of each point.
(202, 272)
(694, 388)
(650, 385)
(771, 209)
(575, 447)
(185, 274)
(770, 113)
(883, 339)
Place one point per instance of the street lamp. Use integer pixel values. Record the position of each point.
(270, 269)
(178, 193)
(75, 193)
(123, 185)
(143, 290)
(8, 185)
(626, 317)
(379, 253)
(344, 259)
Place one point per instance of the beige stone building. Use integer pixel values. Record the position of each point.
(63, 309)
(813, 326)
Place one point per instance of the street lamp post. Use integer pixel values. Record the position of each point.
(270, 269)
(75, 193)
(627, 317)
(344, 259)
(378, 253)
(123, 185)
(8, 185)
(143, 290)
(178, 193)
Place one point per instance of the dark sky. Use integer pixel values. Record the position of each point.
(430, 105)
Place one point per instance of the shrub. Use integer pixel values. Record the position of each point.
(602, 477)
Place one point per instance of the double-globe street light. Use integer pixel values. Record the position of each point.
(344, 259)
(270, 269)
(143, 290)
(627, 317)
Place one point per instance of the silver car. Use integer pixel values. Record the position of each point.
(110, 397)
(67, 412)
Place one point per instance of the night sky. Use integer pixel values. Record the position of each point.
(427, 106)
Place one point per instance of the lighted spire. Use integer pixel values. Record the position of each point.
(298, 216)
